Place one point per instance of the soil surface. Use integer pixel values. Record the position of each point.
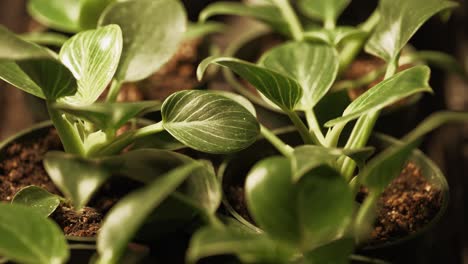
(22, 166)
(408, 204)
(179, 73)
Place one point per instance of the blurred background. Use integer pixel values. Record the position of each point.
(447, 146)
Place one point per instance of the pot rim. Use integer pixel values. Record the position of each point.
(430, 171)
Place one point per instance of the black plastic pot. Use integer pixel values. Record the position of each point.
(409, 249)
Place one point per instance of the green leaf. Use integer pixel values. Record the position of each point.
(326, 10)
(313, 66)
(92, 56)
(203, 29)
(152, 30)
(45, 78)
(382, 169)
(308, 157)
(45, 38)
(35, 197)
(109, 115)
(12, 47)
(324, 206)
(336, 252)
(32, 68)
(387, 92)
(132, 211)
(90, 11)
(62, 15)
(280, 89)
(239, 99)
(334, 37)
(76, 177)
(275, 214)
(269, 14)
(29, 237)
(249, 247)
(209, 122)
(399, 20)
(201, 190)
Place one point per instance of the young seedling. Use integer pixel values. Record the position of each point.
(318, 24)
(304, 200)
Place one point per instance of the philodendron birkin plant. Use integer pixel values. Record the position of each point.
(70, 82)
(304, 200)
(316, 21)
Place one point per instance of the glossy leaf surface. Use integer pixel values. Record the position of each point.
(76, 177)
(90, 11)
(132, 211)
(387, 92)
(92, 56)
(145, 165)
(275, 214)
(152, 30)
(110, 115)
(336, 252)
(280, 89)
(399, 20)
(324, 206)
(333, 37)
(313, 66)
(20, 229)
(45, 78)
(326, 10)
(62, 15)
(12, 47)
(209, 122)
(249, 247)
(35, 197)
(267, 13)
(45, 38)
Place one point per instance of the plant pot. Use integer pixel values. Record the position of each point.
(172, 219)
(234, 170)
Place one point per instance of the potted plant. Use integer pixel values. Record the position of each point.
(316, 21)
(70, 83)
(179, 67)
(303, 202)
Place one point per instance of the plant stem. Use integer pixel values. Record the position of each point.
(333, 135)
(69, 136)
(314, 126)
(290, 16)
(363, 128)
(352, 48)
(329, 23)
(122, 141)
(283, 148)
(307, 137)
(114, 91)
(149, 130)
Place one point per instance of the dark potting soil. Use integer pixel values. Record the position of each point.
(407, 205)
(179, 73)
(22, 166)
